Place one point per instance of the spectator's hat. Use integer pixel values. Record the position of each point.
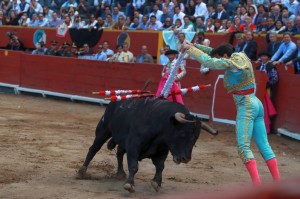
(65, 44)
(53, 42)
(171, 52)
(264, 53)
(74, 45)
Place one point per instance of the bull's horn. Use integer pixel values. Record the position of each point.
(180, 117)
(209, 129)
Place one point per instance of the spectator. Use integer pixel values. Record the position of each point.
(86, 51)
(250, 46)
(127, 23)
(41, 22)
(289, 27)
(211, 11)
(262, 27)
(33, 21)
(169, 5)
(24, 20)
(55, 5)
(209, 25)
(138, 4)
(295, 59)
(265, 3)
(12, 20)
(135, 24)
(156, 12)
(66, 23)
(64, 50)
(274, 44)
(143, 24)
(286, 15)
(237, 26)
(100, 23)
(66, 5)
(23, 8)
(221, 13)
(165, 15)
(261, 15)
(138, 15)
(163, 59)
(153, 24)
(297, 25)
(100, 55)
(129, 56)
(167, 25)
(120, 24)
(187, 26)
(252, 13)
(40, 49)
(276, 13)
(35, 8)
(199, 25)
(83, 9)
(109, 53)
(239, 43)
(15, 7)
(55, 22)
(243, 13)
(286, 49)
(116, 14)
(144, 57)
(190, 9)
(53, 49)
(217, 26)
(78, 22)
(248, 26)
(200, 10)
(178, 14)
(292, 6)
(119, 56)
(14, 42)
(178, 26)
(5, 7)
(229, 7)
(48, 13)
(278, 27)
(109, 22)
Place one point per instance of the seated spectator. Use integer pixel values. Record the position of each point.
(274, 44)
(40, 49)
(143, 24)
(156, 12)
(286, 49)
(221, 12)
(78, 23)
(42, 21)
(35, 8)
(199, 25)
(23, 8)
(100, 55)
(250, 46)
(55, 5)
(187, 26)
(34, 21)
(66, 22)
(200, 10)
(240, 42)
(64, 50)
(5, 7)
(165, 15)
(100, 23)
(104, 11)
(248, 26)
(285, 15)
(12, 20)
(138, 15)
(138, 5)
(24, 20)
(109, 53)
(178, 14)
(229, 7)
(92, 22)
(135, 24)
(279, 26)
(128, 54)
(209, 25)
(289, 27)
(163, 59)
(262, 28)
(243, 14)
(48, 13)
(109, 23)
(120, 23)
(168, 25)
(297, 25)
(66, 5)
(276, 13)
(262, 14)
(2, 19)
(14, 42)
(126, 23)
(119, 56)
(190, 9)
(168, 4)
(144, 57)
(218, 26)
(53, 49)
(154, 24)
(271, 23)
(83, 9)
(116, 14)
(178, 26)
(86, 51)
(252, 12)
(55, 22)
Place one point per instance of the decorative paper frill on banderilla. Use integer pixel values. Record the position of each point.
(120, 92)
(167, 87)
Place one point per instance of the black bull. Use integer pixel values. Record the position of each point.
(146, 128)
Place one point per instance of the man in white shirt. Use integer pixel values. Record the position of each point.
(156, 12)
(178, 15)
(106, 50)
(201, 10)
(100, 55)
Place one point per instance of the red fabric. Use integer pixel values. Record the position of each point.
(252, 170)
(269, 111)
(175, 87)
(272, 165)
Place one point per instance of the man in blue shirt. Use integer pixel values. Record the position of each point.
(286, 49)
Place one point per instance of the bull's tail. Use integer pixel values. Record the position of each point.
(209, 129)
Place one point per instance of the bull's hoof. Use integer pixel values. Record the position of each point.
(81, 174)
(155, 186)
(129, 187)
(120, 175)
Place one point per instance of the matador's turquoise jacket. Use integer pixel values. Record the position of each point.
(239, 76)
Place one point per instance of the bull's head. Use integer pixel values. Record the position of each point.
(182, 138)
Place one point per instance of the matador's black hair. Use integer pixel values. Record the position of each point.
(222, 49)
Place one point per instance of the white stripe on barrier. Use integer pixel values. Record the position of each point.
(288, 133)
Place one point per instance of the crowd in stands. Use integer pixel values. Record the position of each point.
(271, 17)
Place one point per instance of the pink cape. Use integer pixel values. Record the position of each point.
(269, 111)
(177, 98)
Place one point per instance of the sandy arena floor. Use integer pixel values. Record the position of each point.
(44, 141)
